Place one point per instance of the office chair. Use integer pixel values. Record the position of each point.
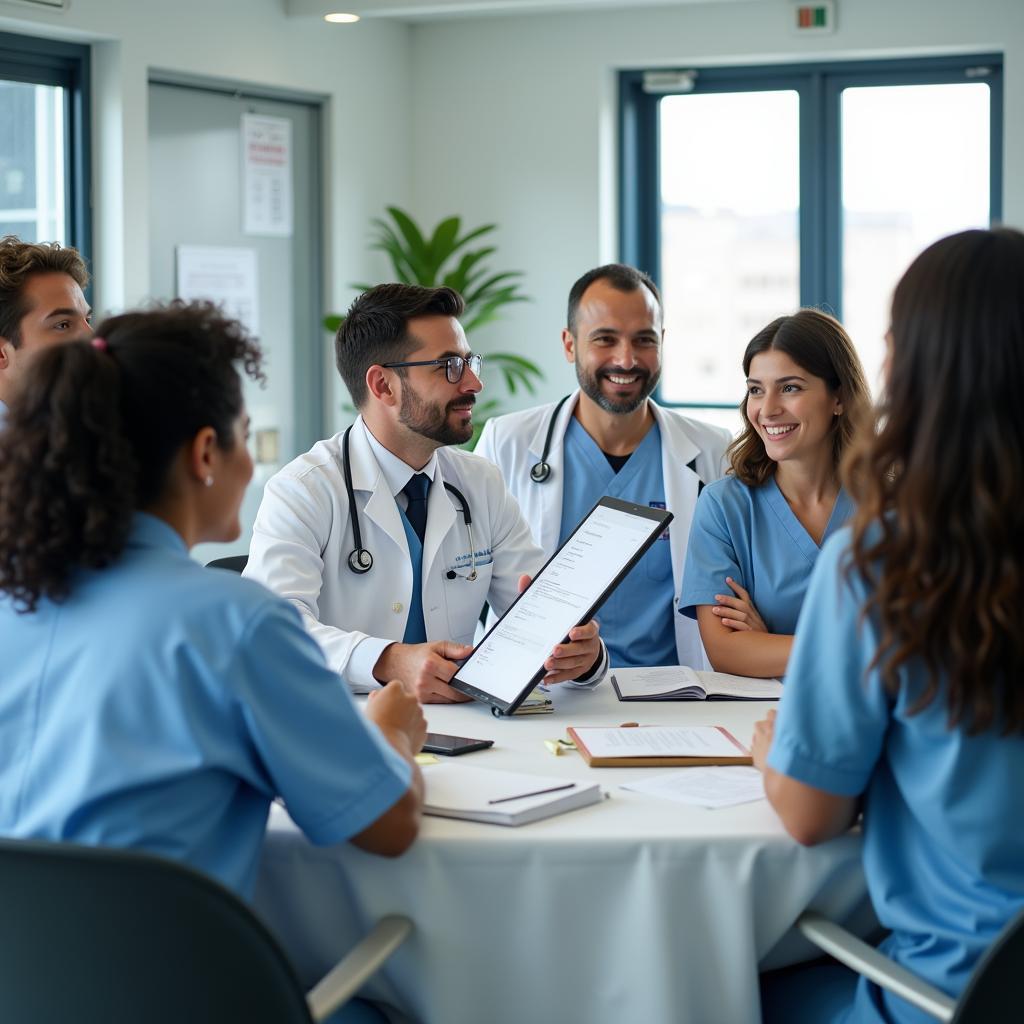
(233, 563)
(991, 996)
(102, 936)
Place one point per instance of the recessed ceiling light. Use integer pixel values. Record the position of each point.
(341, 19)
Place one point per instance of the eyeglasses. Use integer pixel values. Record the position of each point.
(454, 366)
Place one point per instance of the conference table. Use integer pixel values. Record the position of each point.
(635, 908)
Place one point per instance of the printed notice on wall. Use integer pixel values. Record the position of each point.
(226, 276)
(266, 175)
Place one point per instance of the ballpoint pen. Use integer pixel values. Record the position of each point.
(536, 792)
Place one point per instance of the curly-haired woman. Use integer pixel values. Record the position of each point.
(146, 701)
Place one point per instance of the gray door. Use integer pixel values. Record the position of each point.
(195, 174)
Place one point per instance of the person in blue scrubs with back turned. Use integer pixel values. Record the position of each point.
(757, 533)
(148, 702)
(905, 689)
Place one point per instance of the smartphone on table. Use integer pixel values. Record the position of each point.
(452, 746)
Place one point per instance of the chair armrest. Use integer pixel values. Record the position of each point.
(345, 978)
(877, 967)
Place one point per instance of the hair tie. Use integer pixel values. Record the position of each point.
(100, 343)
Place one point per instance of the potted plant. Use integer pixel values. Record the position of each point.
(444, 257)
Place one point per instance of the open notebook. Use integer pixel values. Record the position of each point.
(677, 682)
(501, 798)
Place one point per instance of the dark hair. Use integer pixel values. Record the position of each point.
(21, 260)
(817, 343)
(621, 277)
(376, 329)
(93, 428)
(938, 535)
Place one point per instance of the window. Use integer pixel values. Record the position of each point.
(748, 192)
(44, 185)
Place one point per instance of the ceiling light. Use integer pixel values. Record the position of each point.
(341, 19)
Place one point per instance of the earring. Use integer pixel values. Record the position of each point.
(208, 481)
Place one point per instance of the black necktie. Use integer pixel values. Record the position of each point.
(416, 491)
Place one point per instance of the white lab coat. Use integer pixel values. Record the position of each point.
(515, 442)
(303, 536)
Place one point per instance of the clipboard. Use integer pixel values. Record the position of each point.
(742, 755)
(635, 527)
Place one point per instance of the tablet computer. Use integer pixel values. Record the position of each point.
(574, 582)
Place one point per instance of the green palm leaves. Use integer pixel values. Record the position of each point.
(446, 256)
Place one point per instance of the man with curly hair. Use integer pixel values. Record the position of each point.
(41, 303)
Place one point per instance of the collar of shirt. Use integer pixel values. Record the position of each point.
(396, 472)
(150, 532)
(3, 414)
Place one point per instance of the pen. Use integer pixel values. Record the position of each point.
(536, 792)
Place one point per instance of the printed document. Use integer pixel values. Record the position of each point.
(658, 741)
(704, 787)
(559, 598)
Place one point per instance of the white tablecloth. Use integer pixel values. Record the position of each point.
(634, 909)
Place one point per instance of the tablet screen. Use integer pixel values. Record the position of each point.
(567, 591)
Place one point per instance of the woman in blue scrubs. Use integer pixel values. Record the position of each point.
(148, 702)
(905, 689)
(756, 533)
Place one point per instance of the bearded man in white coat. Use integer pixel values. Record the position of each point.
(386, 537)
(610, 437)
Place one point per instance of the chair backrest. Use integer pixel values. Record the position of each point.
(993, 992)
(233, 563)
(100, 936)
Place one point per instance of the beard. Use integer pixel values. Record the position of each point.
(590, 385)
(432, 421)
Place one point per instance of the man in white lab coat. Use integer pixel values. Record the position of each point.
(609, 437)
(388, 539)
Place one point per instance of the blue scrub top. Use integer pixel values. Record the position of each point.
(162, 707)
(943, 842)
(752, 535)
(636, 620)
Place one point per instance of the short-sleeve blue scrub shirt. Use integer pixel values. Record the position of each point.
(752, 535)
(163, 706)
(943, 842)
(636, 620)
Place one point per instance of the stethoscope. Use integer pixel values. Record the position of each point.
(360, 560)
(540, 471)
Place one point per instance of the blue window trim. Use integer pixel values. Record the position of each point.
(51, 62)
(820, 87)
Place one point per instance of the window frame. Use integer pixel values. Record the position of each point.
(820, 86)
(37, 61)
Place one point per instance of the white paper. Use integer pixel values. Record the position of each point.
(704, 787)
(266, 175)
(658, 741)
(226, 276)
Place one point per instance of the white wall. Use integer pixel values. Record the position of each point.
(515, 119)
(506, 119)
(363, 70)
